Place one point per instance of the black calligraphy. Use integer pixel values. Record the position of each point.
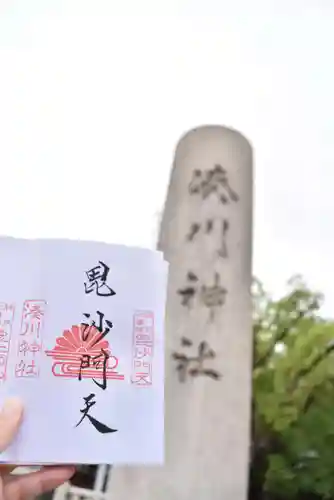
(92, 333)
(211, 181)
(103, 326)
(88, 361)
(194, 365)
(97, 280)
(99, 426)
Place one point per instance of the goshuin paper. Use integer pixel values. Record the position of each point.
(81, 342)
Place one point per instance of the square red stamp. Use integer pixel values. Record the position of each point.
(142, 348)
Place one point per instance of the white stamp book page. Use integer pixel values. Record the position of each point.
(82, 343)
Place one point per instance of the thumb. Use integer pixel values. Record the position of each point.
(10, 419)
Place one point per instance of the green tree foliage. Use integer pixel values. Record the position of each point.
(292, 455)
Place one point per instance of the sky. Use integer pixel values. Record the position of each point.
(94, 96)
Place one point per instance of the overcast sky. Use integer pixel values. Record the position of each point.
(95, 94)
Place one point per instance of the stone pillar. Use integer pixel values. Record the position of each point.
(206, 235)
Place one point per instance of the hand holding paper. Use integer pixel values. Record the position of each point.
(81, 343)
(29, 485)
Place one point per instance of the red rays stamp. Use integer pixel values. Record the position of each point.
(79, 353)
(142, 348)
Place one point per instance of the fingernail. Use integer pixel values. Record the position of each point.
(12, 408)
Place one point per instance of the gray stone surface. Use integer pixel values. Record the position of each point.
(206, 235)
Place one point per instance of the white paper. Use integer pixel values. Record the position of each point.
(46, 296)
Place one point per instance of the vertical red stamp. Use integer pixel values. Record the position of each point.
(30, 339)
(7, 312)
(142, 348)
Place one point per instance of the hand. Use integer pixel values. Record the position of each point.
(25, 486)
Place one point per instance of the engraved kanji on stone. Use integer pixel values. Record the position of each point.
(213, 296)
(211, 181)
(189, 291)
(206, 228)
(194, 365)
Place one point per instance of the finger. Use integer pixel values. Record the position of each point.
(7, 468)
(10, 419)
(35, 483)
